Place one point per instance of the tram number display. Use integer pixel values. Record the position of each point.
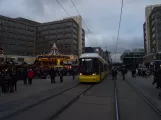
(86, 59)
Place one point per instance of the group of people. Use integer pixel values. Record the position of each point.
(140, 72)
(53, 72)
(137, 72)
(122, 70)
(157, 77)
(10, 76)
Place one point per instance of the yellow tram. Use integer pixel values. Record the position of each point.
(92, 68)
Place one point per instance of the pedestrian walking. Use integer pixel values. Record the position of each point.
(30, 76)
(14, 80)
(61, 76)
(52, 75)
(73, 74)
(123, 72)
(114, 73)
(2, 77)
(25, 76)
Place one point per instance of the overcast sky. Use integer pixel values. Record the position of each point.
(101, 17)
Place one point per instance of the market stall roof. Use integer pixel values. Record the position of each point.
(54, 50)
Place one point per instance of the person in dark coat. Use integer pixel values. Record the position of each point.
(61, 75)
(14, 80)
(73, 73)
(2, 78)
(7, 80)
(133, 72)
(114, 73)
(52, 75)
(123, 72)
(25, 76)
(157, 77)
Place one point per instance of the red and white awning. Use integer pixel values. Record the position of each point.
(54, 50)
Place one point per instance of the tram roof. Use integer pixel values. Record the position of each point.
(92, 55)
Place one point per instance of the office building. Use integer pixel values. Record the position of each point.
(133, 57)
(81, 34)
(83, 40)
(20, 36)
(144, 37)
(155, 31)
(17, 36)
(63, 32)
(148, 10)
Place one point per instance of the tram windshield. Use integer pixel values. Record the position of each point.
(88, 66)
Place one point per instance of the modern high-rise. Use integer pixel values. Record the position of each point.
(20, 36)
(83, 40)
(17, 36)
(155, 31)
(63, 32)
(148, 10)
(81, 34)
(145, 41)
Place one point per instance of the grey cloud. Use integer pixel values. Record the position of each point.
(102, 22)
(39, 5)
(110, 43)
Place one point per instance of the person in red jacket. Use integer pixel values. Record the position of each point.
(30, 76)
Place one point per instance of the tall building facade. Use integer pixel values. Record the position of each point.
(17, 37)
(148, 10)
(155, 31)
(133, 57)
(63, 32)
(81, 32)
(145, 41)
(20, 36)
(83, 40)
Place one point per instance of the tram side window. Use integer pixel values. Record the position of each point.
(96, 66)
(101, 67)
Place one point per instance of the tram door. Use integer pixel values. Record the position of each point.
(100, 70)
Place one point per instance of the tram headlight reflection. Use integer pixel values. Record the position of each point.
(80, 73)
(94, 74)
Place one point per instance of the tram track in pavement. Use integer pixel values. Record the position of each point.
(118, 113)
(37, 103)
(116, 101)
(144, 98)
(62, 110)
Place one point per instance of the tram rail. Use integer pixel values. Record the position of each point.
(37, 103)
(145, 99)
(116, 101)
(62, 110)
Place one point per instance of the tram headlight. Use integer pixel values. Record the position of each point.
(80, 73)
(94, 74)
